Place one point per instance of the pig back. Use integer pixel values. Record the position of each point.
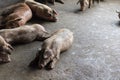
(61, 39)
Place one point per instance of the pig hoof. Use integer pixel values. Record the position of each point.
(40, 66)
(50, 66)
(4, 58)
(34, 63)
(81, 10)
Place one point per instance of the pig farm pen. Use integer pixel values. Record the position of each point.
(94, 55)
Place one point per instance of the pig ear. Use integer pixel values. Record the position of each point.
(55, 12)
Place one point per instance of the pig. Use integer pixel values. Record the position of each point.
(16, 15)
(49, 54)
(5, 51)
(42, 11)
(20, 35)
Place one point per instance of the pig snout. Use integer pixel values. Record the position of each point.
(45, 58)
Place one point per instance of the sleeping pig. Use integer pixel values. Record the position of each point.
(23, 34)
(16, 15)
(49, 54)
(42, 11)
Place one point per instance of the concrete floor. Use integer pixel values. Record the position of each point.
(95, 54)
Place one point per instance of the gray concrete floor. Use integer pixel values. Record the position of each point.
(95, 54)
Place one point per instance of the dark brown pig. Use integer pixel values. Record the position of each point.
(49, 54)
(5, 51)
(16, 15)
(42, 11)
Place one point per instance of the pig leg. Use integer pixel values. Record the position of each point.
(52, 63)
(98, 1)
(93, 1)
(90, 3)
(82, 6)
(60, 1)
(4, 58)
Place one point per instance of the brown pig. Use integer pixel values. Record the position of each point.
(16, 15)
(5, 51)
(42, 11)
(24, 34)
(49, 54)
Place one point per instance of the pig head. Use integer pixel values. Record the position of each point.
(42, 11)
(16, 15)
(5, 50)
(49, 54)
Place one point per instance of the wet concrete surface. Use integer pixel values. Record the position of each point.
(95, 54)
